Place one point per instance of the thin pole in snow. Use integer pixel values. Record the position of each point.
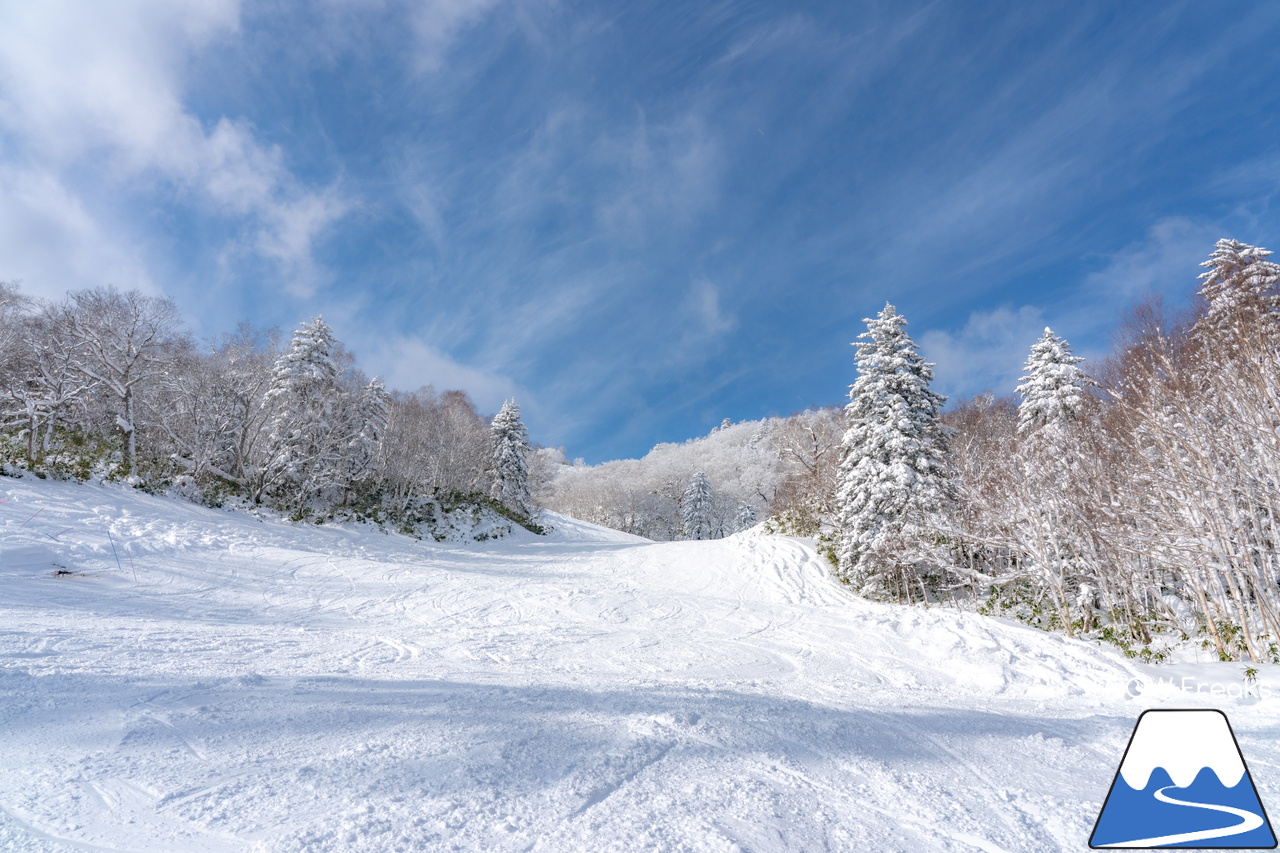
(33, 515)
(54, 536)
(132, 566)
(113, 551)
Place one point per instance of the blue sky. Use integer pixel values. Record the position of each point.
(639, 218)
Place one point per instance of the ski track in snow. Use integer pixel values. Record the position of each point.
(265, 686)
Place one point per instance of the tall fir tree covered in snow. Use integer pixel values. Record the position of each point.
(1240, 284)
(696, 507)
(894, 473)
(1052, 391)
(1053, 400)
(364, 436)
(304, 392)
(510, 460)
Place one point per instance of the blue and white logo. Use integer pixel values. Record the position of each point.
(1183, 783)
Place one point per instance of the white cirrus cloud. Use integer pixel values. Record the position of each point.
(1165, 261)
(436, 23)
(407, 362)
(98, 89)
(987, 353)
(52, 244)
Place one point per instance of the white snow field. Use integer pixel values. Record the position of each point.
(269, 686)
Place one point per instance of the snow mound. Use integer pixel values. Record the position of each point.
(28, 557)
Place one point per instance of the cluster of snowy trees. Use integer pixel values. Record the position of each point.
(1141, 504)
(104, 382)
(782, 470)
(705, 488)
(1138, 501)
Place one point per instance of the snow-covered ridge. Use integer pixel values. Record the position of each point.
(1183, 743)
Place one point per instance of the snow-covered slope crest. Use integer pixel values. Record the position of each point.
(563, 528)
(1183, 743)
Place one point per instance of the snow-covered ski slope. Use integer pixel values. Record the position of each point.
(279, 687)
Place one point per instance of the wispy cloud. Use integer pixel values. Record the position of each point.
(543, 242)
(409, 363)
(638, 215)
(986, 354)
(102, 87)
(1165, 261)
(656, 176)
(704, 300)
(50, 242)
(974, 207)
(436, 23)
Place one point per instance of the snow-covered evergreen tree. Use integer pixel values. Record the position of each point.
(511, 459)
(696, 506)
(304, 390)
(894, 474)
(1053, 390)
(372, 412)
(1048, 490)
(746, 517)
(308, 367)
(1239, 279)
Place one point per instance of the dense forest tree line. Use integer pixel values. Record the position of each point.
(1139, 504)
(107, 383)
(1138, 501)
(708, 487)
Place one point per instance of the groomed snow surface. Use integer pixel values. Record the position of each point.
(269, 686)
